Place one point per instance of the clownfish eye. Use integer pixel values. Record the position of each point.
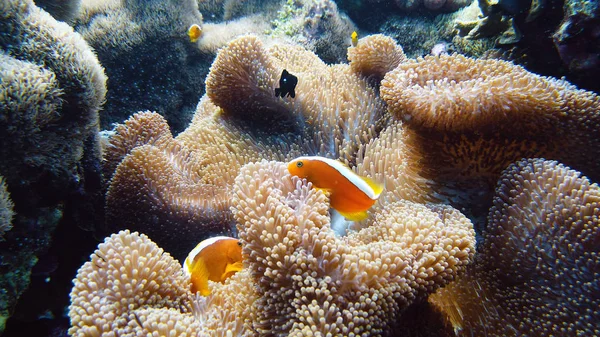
(239, 244)
(299, 164)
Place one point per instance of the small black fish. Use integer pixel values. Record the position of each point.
(287, 84)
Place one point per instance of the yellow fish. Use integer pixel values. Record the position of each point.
(354, 38)
(349, 194)
(214, 259)
(194, 32)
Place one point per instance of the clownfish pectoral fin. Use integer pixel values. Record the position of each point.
(231, 269)
(327, 191)
(200, 279)
(377, 187)
(355, 216)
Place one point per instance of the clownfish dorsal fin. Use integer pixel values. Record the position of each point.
(231, 268)
(355, 216)
(377, 187)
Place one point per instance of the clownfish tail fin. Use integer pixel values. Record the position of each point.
(377, 187)
(231, 268)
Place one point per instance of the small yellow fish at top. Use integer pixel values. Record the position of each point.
(215, 259)
(194, 32)
(354, 37)
(349, 194)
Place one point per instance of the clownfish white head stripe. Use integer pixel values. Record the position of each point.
(199, 247)
(214, 259)
(350, 194)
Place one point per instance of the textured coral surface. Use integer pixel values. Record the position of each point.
(300, 279)
(475, 117)
(537, 269)
(51, 90)
(166, 186)
(450, 127)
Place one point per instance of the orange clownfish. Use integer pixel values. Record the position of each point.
(194, 32)
(214, 259)
(349, 194)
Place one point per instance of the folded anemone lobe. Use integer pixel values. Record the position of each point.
(49, 103)
(375, 55)
(539, 246)
(127, 279)
(155, 190)
(143, 128)
(333, 112)
(131, 287)
(309, 281)
(457, 93)
(474, 117)
(175, 190)
(244, 69)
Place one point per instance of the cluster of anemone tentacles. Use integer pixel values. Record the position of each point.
(435, 144)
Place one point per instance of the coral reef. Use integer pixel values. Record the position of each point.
(576, 38)
(299, 278)
(165, 79)
(555, 38)
(431, 5)
(489, 23)
(414, 34)
(476, 117)
(217, 35)
(415, 6)
(317, 25)
(149, 60)
(540, 246)
(51, 90)
(6, 209)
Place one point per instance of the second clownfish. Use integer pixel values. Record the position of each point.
(214, 259)
(194, 32)
(354, 38)
(349, 194)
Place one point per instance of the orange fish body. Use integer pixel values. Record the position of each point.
(349, 194)
(214, 259)
(194, 32)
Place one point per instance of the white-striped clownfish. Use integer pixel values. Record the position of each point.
(349, 194)
(214, 259)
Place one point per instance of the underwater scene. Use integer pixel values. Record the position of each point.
(188, 168)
